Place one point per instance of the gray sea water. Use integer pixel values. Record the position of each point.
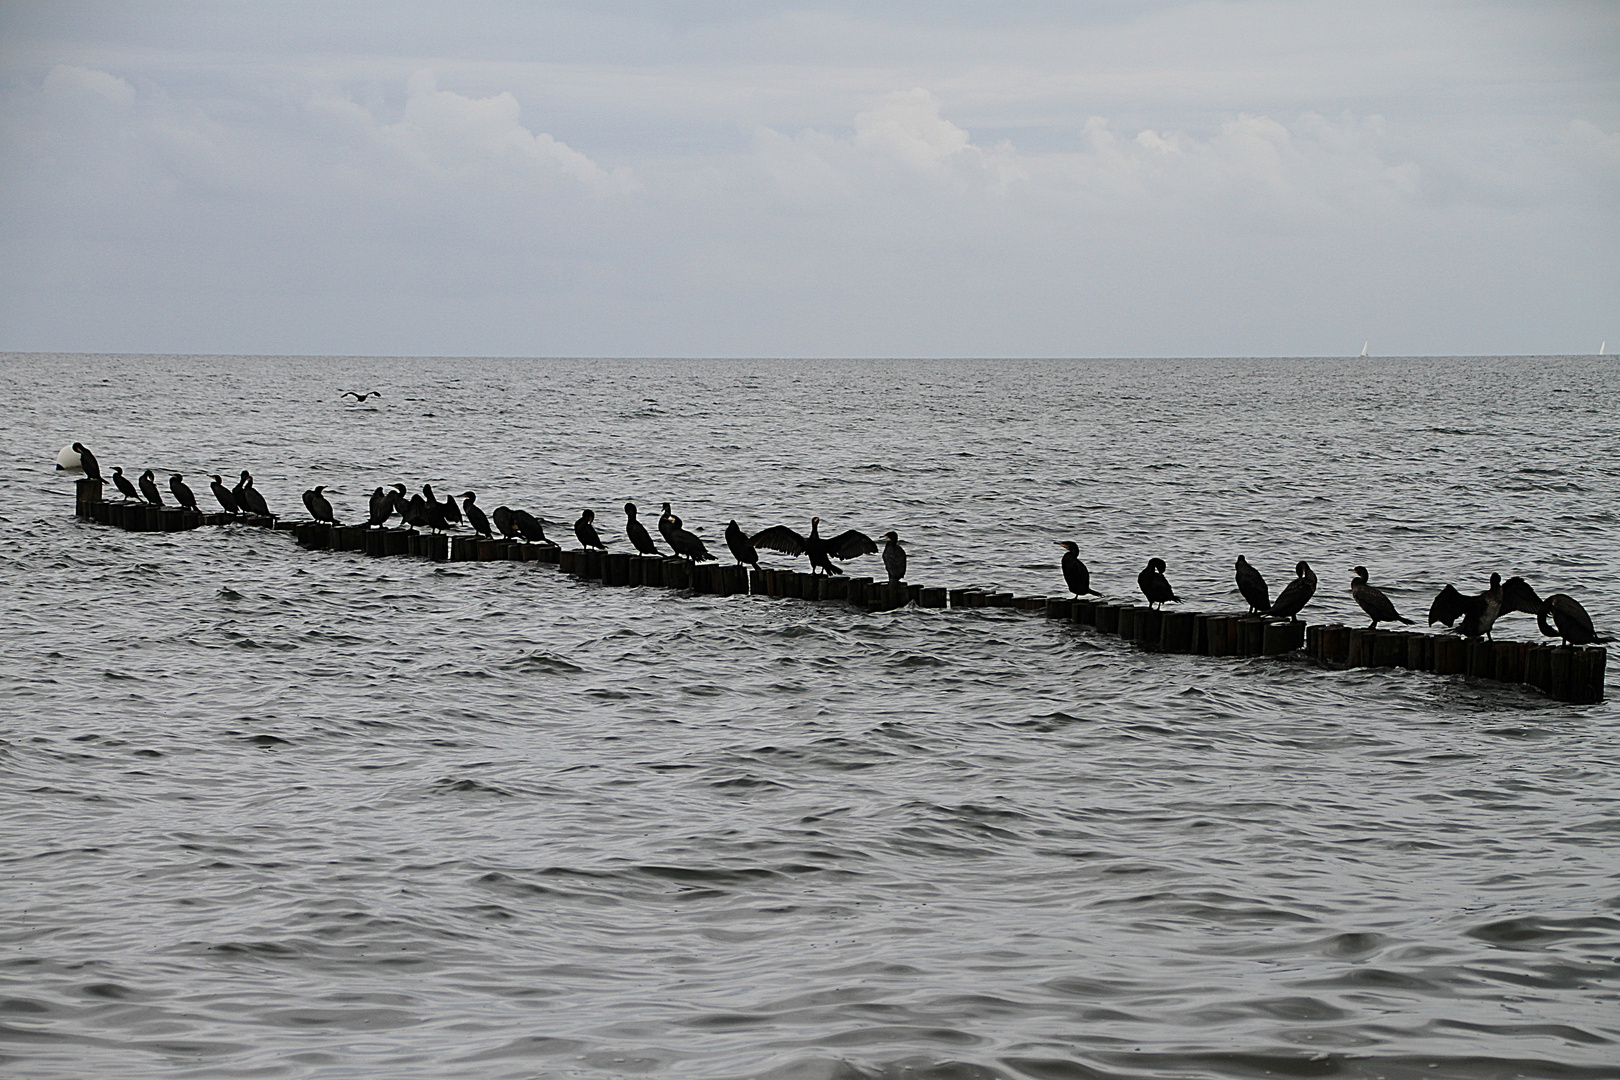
(267, 812)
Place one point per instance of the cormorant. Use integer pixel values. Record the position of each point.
(432, 511)
(680, 541)
(849, 544)
(587, 532)
(1253, 587)
(475, 517)
(121, 482)
(894, 557)
(319, 507)
(1478, 612)
(149, 488)
(182, 493)
(360, 398)
(87, 460)
(528, 526)
(1075, 574)
(452, 512)
(413, 514)
(1517, 595)
(248, 497)
(741, 548)
(502, 516)
(227, 501)
(382, 508)
(637, 532)
(1573, 624)
(1372, 601)
(1296, 594)
(1154, 586)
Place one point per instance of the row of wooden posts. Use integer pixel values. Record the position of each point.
(1565, 673)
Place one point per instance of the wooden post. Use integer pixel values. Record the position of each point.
(85, 493)
(1359, 653)
(1510, 661)
(1179, 631)
(677, 573)
(860, 591)
(1558, 672)
(1592, 671)
(1001, 599)
(1106, 618)
(616, 568)
(1336, 645)
(931, 598)
(1084, 612)
(1279, 637)
(1254, 635)
(1537, 670)
(652, 571)
(1420, 652)
(1216, 634)
(569, 562)
(1388, 648)
(1126, 627)
(1059, 608)
(835, 589)
(1149, 628)
(464, 549)
(1481, 660)
(1450, 657)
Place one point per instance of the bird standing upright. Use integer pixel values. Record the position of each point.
(1253, 587)
(87, 461)
(1075, 573)
(637, 532)
(476, 517)
(227, 501)
(742, 549)
(1155, 586)
(894, 557)
(585, 529)
(182, 493)
(1372, 601)
(121, 482)
(1296, 594)
(149, 488)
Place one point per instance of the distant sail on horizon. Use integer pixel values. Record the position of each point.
(1364, 345)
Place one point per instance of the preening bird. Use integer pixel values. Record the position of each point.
(182, 493)
(528, 526)
(585, 529)
(87, 461)
(820, 550)
(1253, 587)
(1478, 612)
(381, 509)
(1373, 601)
(637, 532)
(149, 488)
(1155, 586)
(476, 517)
(742, 549)
(1075, 574)
(248, 497)
(451, 512)
(226, 500)
(1296, 594)
(121, 482)
(894, 557)
(360, 398)
(502, 517)
(1572, 622)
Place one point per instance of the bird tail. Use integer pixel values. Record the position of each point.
(1404, 619)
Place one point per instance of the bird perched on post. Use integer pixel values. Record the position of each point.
(637, 532)
(820, 550)
(1573, 624)
(586, 531)
(682, 541)
(1075, 574)
(475, 515)
(1478, 612)
(226, 500)
(502, 517)
(121, 482)
(182, 493)
(1296, 594)
(1155, 586)
(248, 497)
(1253, 587)
(528, 527)
(87, 461)
(894, 557)
(149, 488)
(381, 508)
(1372, 601)
(742, 549)
(319, 507)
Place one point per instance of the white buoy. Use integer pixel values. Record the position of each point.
(68, 458)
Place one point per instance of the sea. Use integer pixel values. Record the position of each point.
(268, 812)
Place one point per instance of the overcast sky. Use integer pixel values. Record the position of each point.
(695, 178)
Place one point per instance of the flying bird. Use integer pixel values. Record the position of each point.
(360, 398)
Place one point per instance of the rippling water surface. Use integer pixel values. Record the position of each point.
(274, 813)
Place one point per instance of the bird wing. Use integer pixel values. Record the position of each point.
(783, 539)
(1518, 595)
(850, 544)
(1448, 606)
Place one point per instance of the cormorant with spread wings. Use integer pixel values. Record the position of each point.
(849, 544)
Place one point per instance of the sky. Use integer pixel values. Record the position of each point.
(716, 178)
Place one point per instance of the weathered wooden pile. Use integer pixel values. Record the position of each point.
(1565, 673)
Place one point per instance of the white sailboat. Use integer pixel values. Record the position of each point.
(1364, 345)
(1603, 349)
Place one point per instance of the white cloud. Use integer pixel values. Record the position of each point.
(71, 82)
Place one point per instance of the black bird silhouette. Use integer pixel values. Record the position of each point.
(1296, 594)
(502, 516)
(149, 488)
(741, 548)
(121, 482)
(587, 531)
(894, 557)
(227, 501)
(1075, 574)
(360, 398)
(182, 493)
(1155, 586)
(452, 512)
(1572, 622)
(680, 541)
(381, 508)
(1253, 587)
(475, 516)
(87, 461)
(319, 507)
(637, 532)
(528, 526)
(1373, 601)
(248, 497)
(1478, 612)
(849, 544)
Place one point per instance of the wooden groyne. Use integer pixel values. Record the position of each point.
(1571, 673)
